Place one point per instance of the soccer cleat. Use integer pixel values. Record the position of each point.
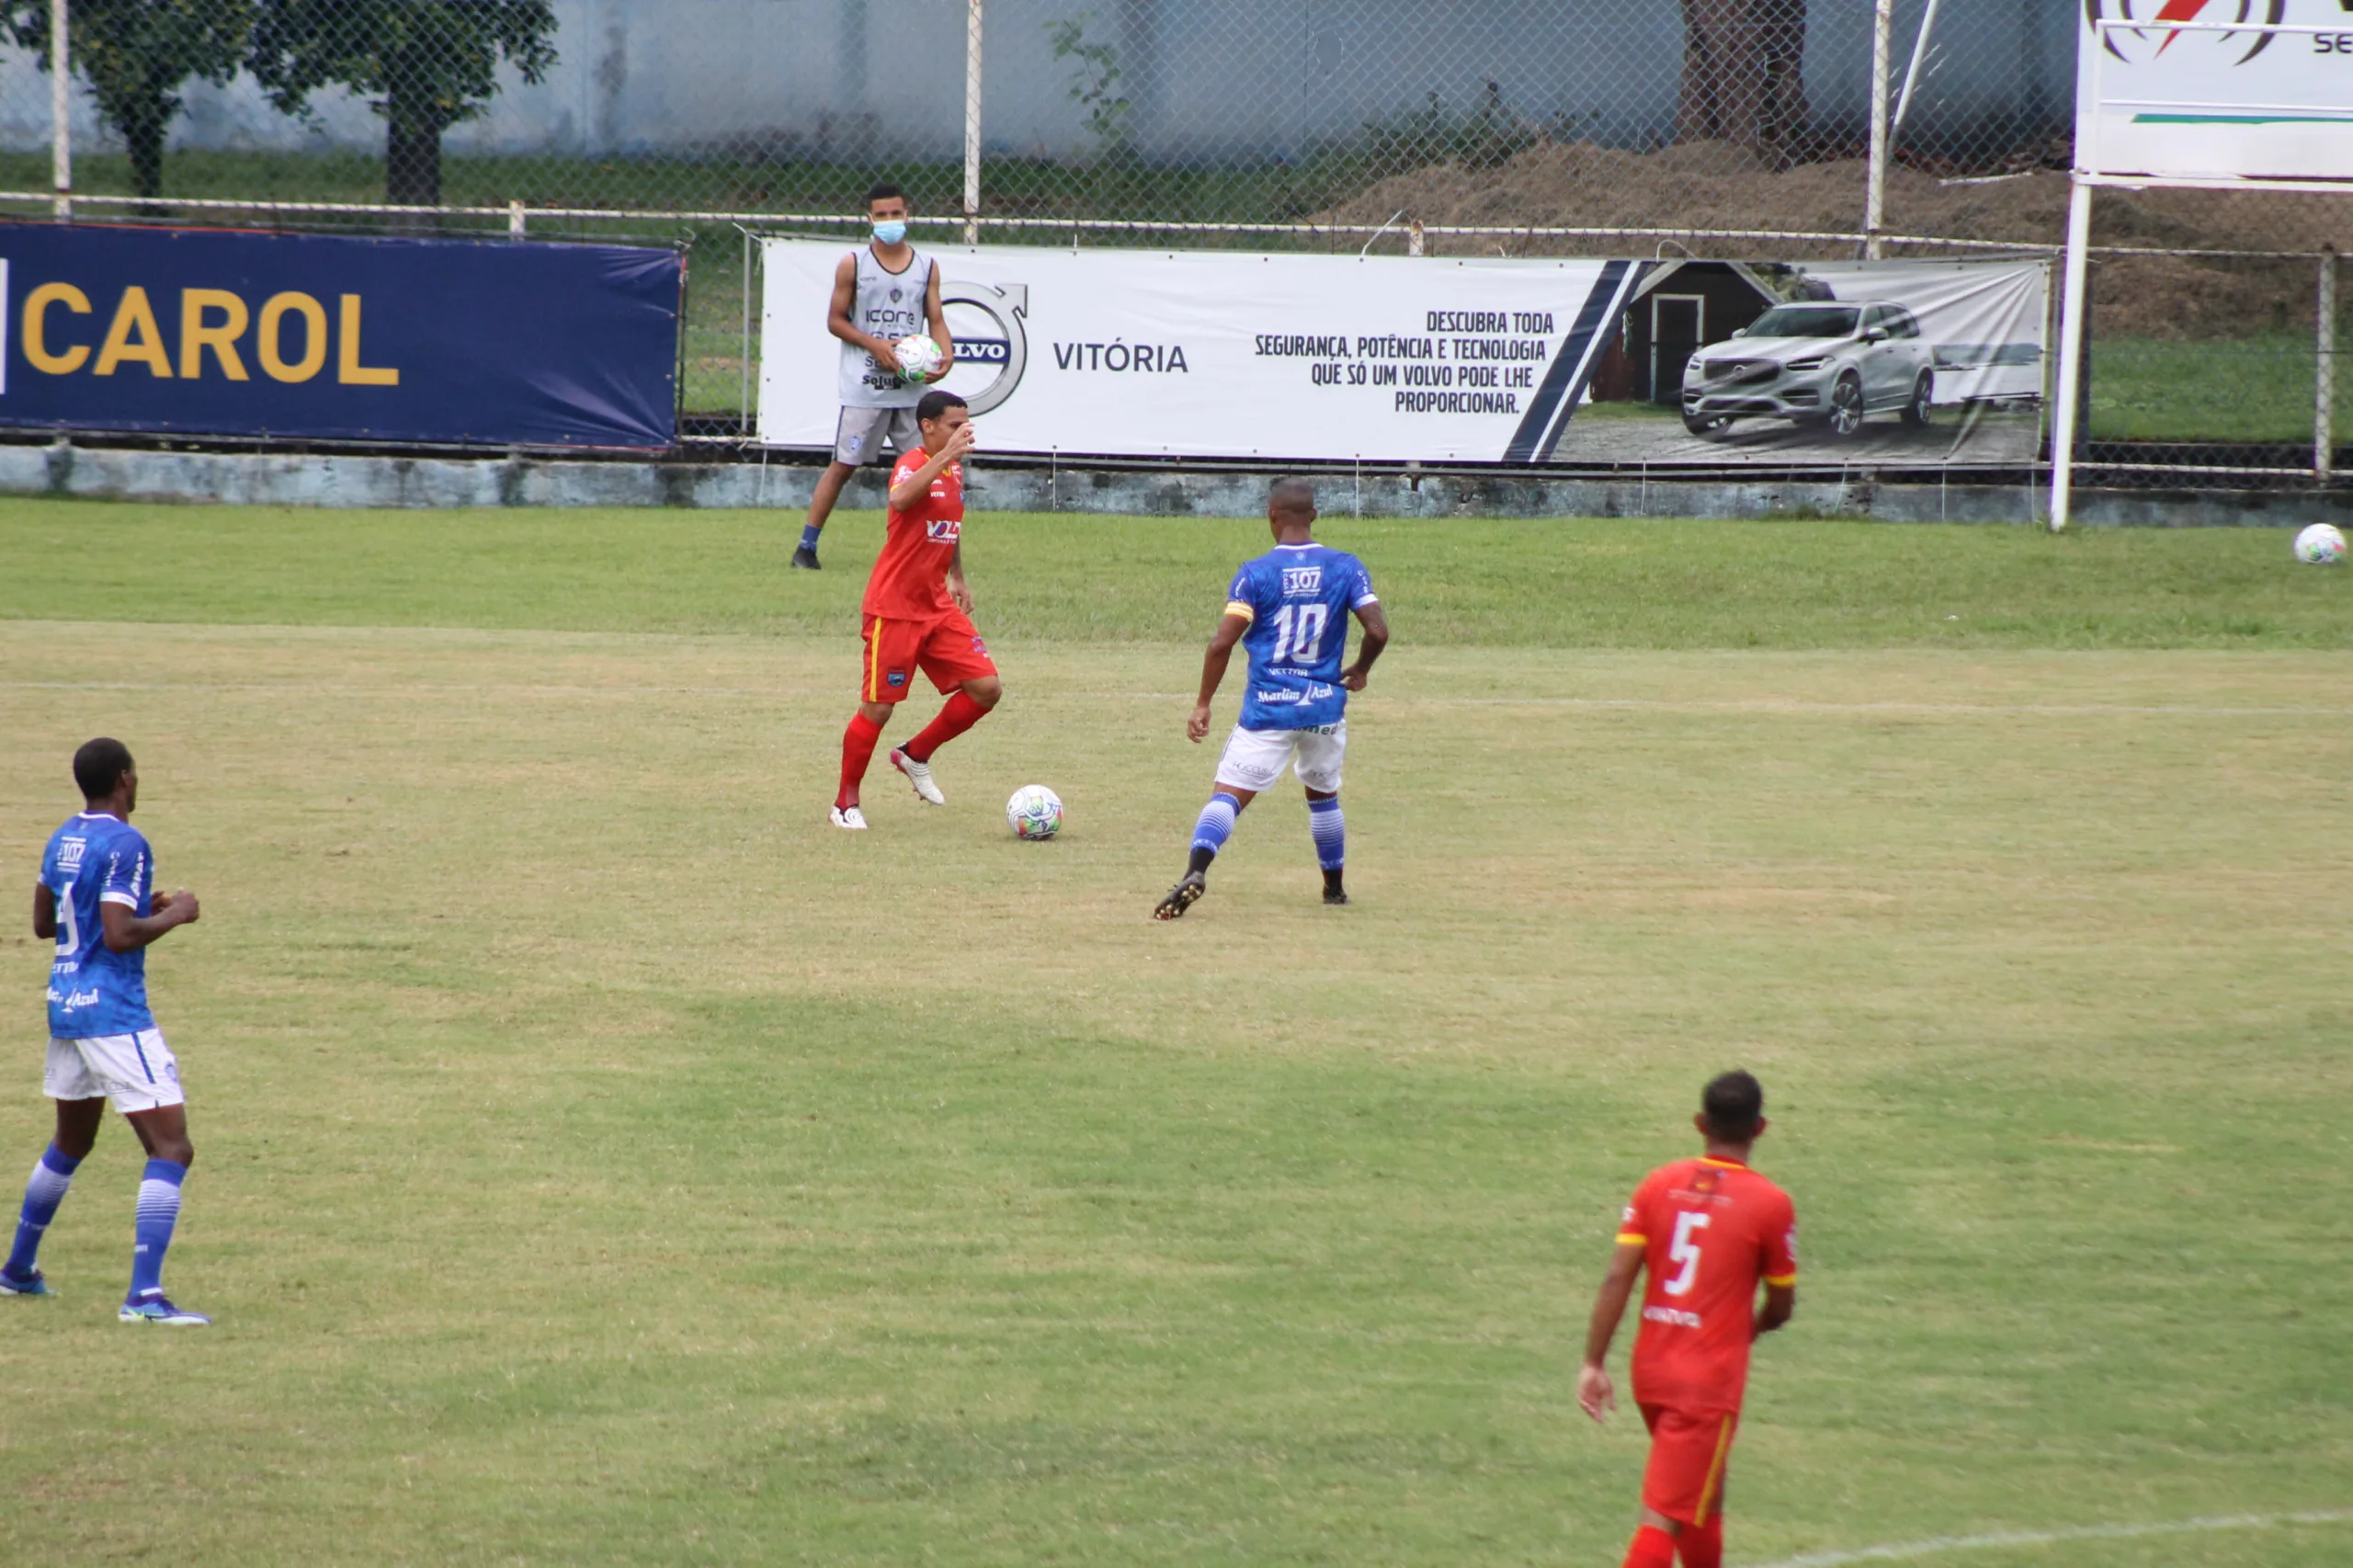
(37, 1285)
(806, 559)
(1181, 897)
(157, 1310)
(1334, 895)
(849, 817)
(919, 774)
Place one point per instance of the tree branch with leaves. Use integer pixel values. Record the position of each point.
(136, 56)
(423, 65)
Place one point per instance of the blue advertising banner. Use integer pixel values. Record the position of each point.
(473, 342)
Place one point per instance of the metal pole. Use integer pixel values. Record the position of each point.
(1912, 73)
(744, 397)
(2071, 355)
(972, 121)
(2324, 377)
(61, 111)
(1875, 202)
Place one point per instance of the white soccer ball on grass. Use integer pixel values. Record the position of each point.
(1035, 812)
(918, 358)
(2320, 545)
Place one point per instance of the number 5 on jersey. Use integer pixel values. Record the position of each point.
(1684, 1250)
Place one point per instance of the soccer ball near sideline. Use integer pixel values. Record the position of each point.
(1035, 812)
(918, 358)
(2320, 545)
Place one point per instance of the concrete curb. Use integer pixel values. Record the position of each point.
(302, 480)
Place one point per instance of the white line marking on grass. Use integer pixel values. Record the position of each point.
(1763, 705)
(1928, 710)
(1937, 1545)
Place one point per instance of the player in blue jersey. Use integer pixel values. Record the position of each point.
(96, 898)
(1290, 610)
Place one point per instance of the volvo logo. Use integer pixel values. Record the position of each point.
(1008, 353)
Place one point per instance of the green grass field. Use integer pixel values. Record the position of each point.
(601, 1160)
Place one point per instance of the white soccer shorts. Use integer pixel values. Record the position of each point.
(138, 1072)
(1255, 759)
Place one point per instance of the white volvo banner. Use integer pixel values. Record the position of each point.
(1132, 353)
(2205, 89)
(1207, 353)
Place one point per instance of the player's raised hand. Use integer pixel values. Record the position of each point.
(1595, 1394)
(1197, 728)
(959, 442)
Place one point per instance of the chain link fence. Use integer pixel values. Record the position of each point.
(1735, 129)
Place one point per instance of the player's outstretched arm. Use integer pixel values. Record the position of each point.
(44, 911)
(1228, 632)
(909, 491)
(126, 932)
(1593, 1391)
(1369, 648)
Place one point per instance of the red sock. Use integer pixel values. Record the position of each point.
(1702, 1546)
(1652, 1548)
(857, 749)
(961, 714)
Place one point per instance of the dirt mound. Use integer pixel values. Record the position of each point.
(1704, 185)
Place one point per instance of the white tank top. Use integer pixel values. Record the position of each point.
(888, 305)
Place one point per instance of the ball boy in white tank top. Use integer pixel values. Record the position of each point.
(883, 292)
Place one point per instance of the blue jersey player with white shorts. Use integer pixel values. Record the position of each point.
(97, 899)
(1290, 610)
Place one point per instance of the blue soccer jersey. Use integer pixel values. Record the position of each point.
(1298, 598)
(96, 859)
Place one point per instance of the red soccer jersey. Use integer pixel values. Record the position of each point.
(1709, 1230)
(910, 580)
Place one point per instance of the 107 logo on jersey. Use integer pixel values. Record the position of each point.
(1299, 582)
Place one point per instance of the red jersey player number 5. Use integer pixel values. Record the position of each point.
(1706, 1233)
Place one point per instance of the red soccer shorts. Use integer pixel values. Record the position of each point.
(1685, 1479)
(947, 649)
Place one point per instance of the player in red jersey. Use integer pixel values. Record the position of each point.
(918, 612)
(1709, 1230)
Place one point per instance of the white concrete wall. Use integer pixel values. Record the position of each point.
(855, 78)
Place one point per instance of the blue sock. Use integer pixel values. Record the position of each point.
(1216, 825)
(159, 1211)
(808, 532)
(42, 1194)
(1331, 833)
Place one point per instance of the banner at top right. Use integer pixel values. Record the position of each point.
(2195, 90)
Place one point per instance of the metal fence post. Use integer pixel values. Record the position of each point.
(1875, 202)
(2067, 417)
(973, 121)
(2325, 374)
(61, 111)
(1912, 73)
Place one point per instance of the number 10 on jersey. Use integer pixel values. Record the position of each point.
(1299, 633)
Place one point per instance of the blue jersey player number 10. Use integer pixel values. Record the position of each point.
(1289, 611)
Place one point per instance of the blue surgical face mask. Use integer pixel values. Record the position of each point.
(891, 233)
